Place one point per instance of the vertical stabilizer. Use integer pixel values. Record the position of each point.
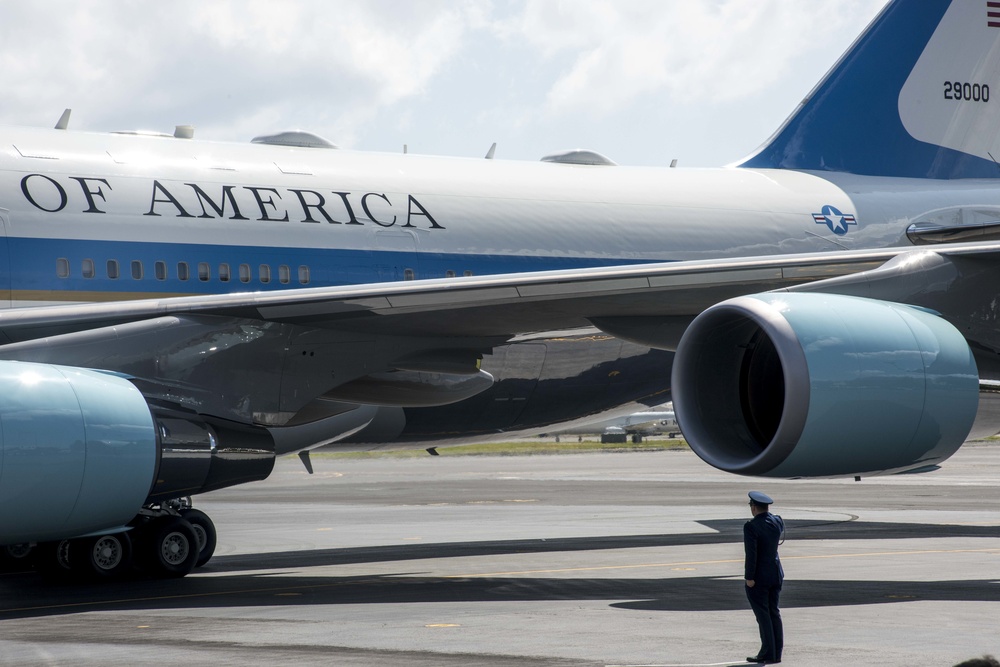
(917, 95)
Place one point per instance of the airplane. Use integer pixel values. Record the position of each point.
(180, 312)
(659, 420)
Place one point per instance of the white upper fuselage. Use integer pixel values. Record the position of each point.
(245, 217)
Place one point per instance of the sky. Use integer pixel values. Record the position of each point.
(641, 81)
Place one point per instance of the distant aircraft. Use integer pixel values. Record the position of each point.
(181, 312)
(659, 420)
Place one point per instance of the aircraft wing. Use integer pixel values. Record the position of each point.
(226, 382)
(489, 306)
(298, 356)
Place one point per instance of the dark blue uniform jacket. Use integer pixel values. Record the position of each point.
(760, 539)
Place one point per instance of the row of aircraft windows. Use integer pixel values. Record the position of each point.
(244, 272)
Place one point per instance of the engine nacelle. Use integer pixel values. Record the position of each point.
(200, 454)
(78, 451)
(819, 385)
(81, 452)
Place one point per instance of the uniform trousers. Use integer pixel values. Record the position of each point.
(764, 602)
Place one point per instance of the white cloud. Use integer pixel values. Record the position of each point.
(623, 76)
(695, 52)
(227, 62)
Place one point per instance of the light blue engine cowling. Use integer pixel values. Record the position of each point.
(78, 451)
(819, 385)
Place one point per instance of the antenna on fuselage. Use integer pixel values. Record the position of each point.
(64, 120)
(491, 151)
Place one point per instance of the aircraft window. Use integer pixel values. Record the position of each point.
(136, 269)
(204, 271)
(245, 275)
(467, 273)
(284, 274)
(113, 269)
(449, 274)
(88, 268)
(407, 274)
(265, 273)
(183, 271)
(160, 269)
(224, 273)
(62, 267)
(304, 275)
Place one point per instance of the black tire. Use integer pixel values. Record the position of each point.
(204, 528)
(168, 547)
(102, 557)
(52, 559)
(16, 557)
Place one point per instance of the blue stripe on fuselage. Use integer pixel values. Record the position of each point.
(34, 266)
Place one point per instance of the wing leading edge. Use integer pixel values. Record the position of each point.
(505, 305)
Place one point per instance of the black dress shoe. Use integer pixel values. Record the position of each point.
(754, 658)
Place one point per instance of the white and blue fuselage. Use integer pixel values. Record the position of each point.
(114, 216)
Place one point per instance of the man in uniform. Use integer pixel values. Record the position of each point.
(763, 574)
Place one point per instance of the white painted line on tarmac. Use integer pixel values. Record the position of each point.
(729, 663)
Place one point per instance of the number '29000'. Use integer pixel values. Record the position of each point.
(972, 92)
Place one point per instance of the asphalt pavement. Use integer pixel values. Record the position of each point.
(586, 559)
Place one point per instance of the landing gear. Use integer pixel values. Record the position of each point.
(176, 537)
(169, 546)
(15, 557)
(102, 557)
(167, 540)
(94, 557)
(52, 559)
(205, 531)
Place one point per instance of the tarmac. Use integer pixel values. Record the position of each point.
(583, 559)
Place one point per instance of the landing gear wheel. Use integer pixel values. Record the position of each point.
(169, 546)
(15, 557)
(102, 557)
(205, 530)
(52, 559)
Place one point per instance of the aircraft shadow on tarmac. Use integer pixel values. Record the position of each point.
(726, 531)
(28, 595)
(684, 594)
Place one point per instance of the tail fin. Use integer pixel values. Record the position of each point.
(916, 95)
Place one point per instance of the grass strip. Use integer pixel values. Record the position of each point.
(514, 448)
